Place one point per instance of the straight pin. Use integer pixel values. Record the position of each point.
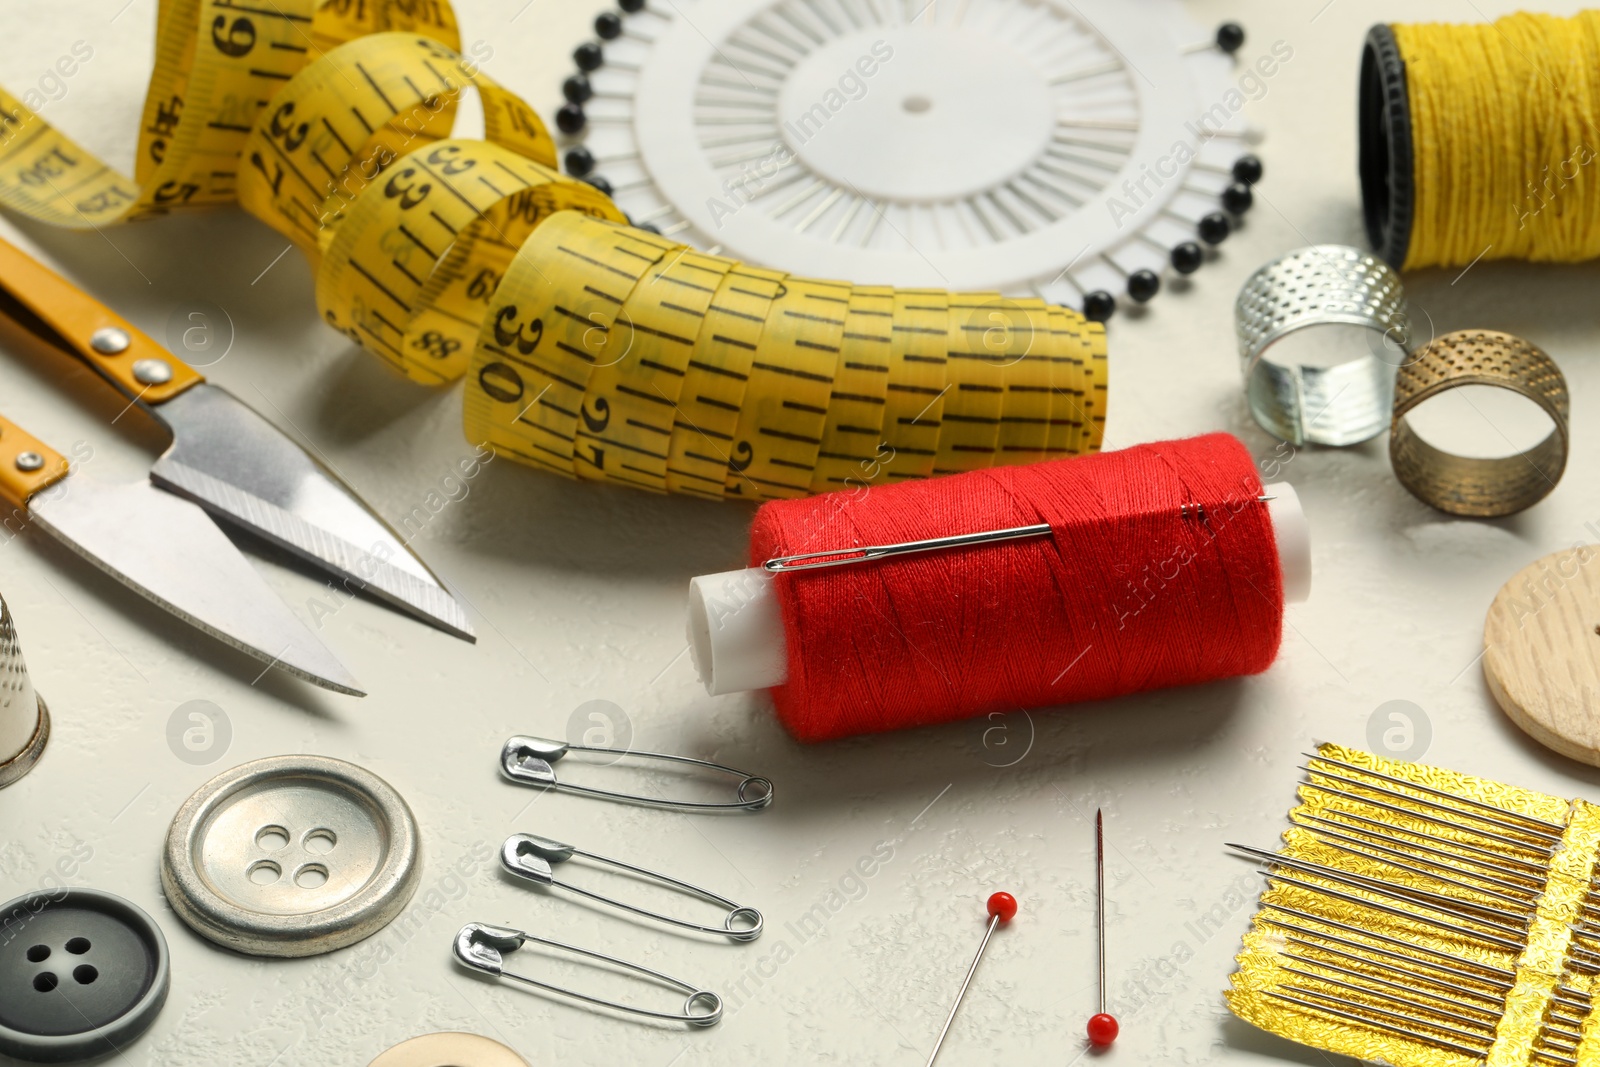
(1002, 907)
(1103, 1027)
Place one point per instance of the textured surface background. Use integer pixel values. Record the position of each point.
(578, 594)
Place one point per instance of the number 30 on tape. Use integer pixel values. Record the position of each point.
(590, 348)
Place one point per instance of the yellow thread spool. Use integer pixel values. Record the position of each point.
(1480, 141)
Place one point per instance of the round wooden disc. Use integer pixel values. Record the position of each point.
(1542, 651)
(449, 1050)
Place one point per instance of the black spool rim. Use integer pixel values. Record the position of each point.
(1388, 187)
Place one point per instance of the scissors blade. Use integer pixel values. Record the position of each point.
(169, 551)
(240, 467)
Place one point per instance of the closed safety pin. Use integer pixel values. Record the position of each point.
(480, 946)
(528, 760)
(533, 857)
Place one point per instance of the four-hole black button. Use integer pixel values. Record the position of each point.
(82, 973)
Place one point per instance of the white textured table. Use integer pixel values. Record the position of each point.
(578, 594)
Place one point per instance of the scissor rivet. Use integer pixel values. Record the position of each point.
(109, 340)
(29, 461)
(152, 371)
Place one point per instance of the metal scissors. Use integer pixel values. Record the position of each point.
(224, 456)
(165, 549)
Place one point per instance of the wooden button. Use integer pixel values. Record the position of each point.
(1542, 651)
(449, 1050)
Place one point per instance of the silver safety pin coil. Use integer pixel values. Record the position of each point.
(535, 858)
(483, 948)
(531, 761)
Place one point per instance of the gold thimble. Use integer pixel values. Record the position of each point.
(24, 720)
(1484, 488)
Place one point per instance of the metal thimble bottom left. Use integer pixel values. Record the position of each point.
(24, 719)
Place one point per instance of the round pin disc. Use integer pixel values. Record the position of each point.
(291, 856)
(449, 1050)
(82, 973)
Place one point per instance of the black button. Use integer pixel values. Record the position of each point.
(82, 973)
(1248, 169)
(608, 26)
(1230, 37)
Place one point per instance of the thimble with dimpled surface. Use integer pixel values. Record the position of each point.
(24, 722)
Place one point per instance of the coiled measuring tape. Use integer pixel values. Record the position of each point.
(612, 353)
(591, 348)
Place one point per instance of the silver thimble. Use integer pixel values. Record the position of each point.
(24, 720)
(1333, 383)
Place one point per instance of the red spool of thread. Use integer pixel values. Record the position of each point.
(1161, 568)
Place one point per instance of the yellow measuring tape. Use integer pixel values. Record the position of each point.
(590, 348)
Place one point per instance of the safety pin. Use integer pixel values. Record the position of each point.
(838, 557)
(533, 857)
(529, 760)
(481, 947)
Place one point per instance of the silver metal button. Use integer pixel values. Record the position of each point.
(152, 372)
(109, 340)
(291, 856)
(28, 462)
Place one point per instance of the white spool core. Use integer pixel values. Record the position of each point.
(1293, 535)
(735, 624)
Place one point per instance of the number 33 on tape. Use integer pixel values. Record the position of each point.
(590, 348)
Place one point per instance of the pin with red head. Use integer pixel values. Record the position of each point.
(1103, 1028)
(1002, 907)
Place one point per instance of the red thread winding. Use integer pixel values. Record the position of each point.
(1129, 594)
